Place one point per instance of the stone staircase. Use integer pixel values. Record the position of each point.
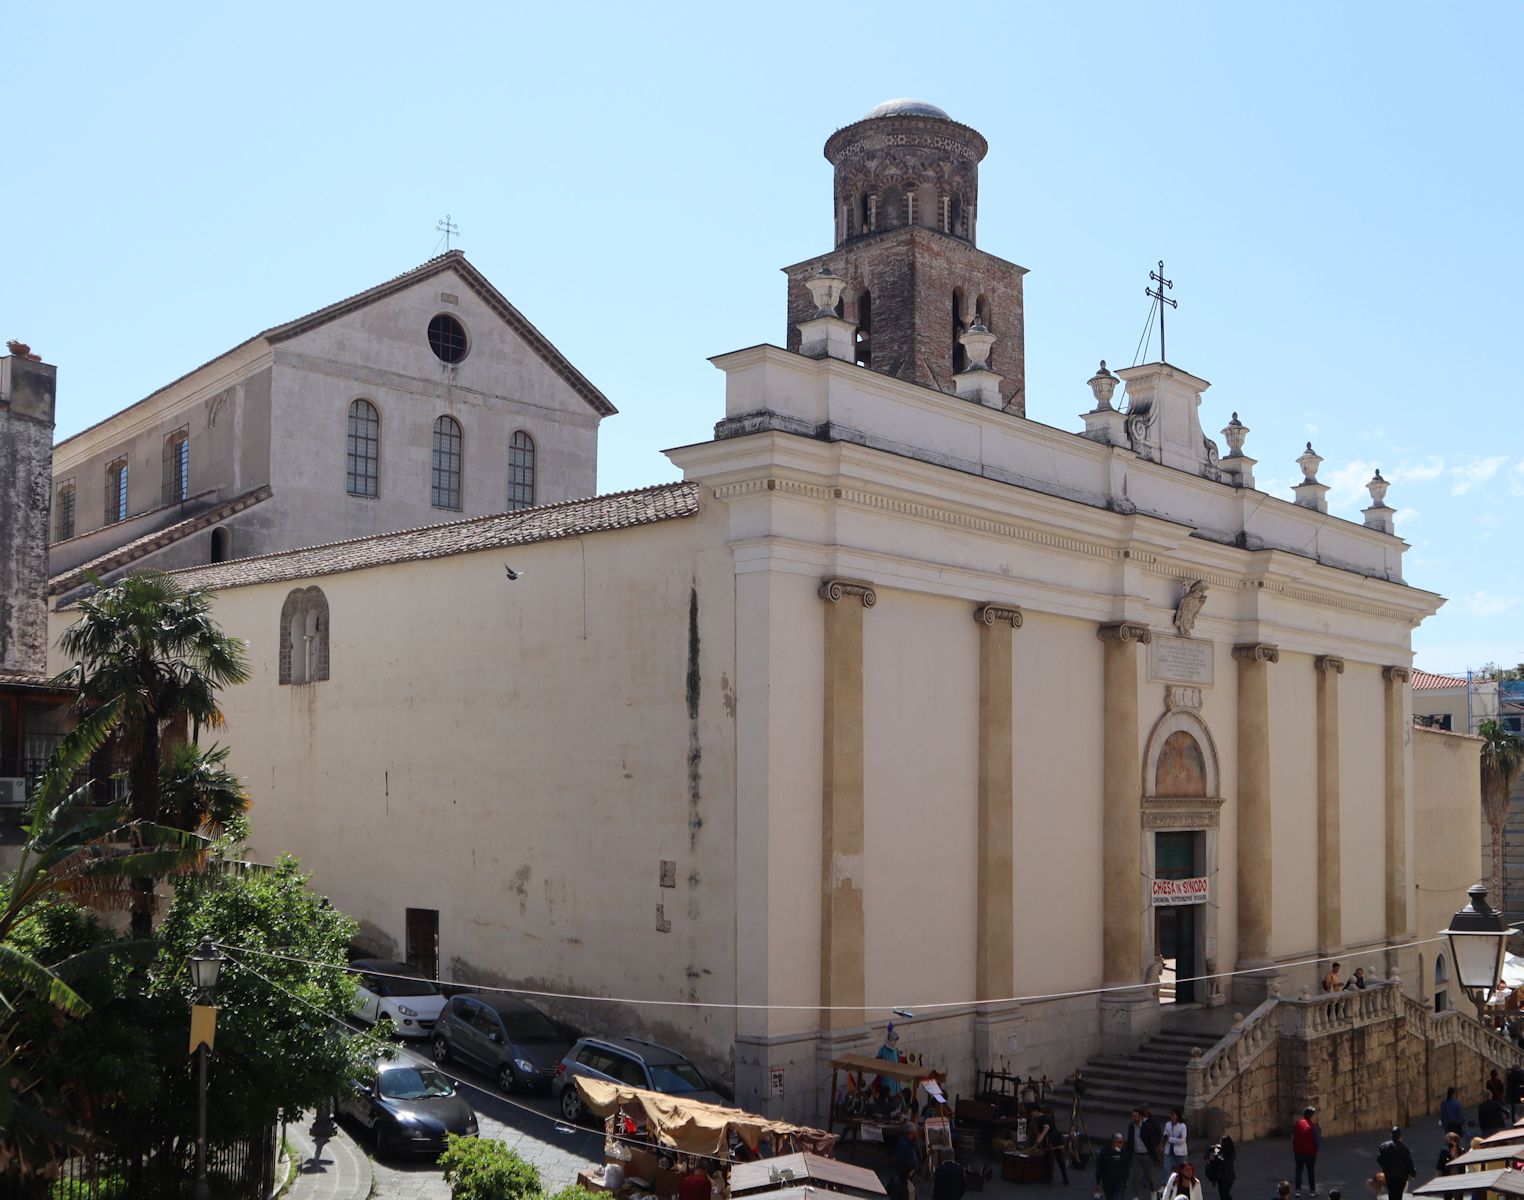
(1153, 1074)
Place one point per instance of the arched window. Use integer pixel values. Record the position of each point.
(955, 215)
(116, 491)
(222, 544)
(891, 208)
(864, 330)
(304, 636)
(362, 468)
(176, 485)
(63, 525)
(445, 491)
(1441, 979)
(959, 355)
(520, 471)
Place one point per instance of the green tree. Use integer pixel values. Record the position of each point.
(1502, 760)
(155, 651)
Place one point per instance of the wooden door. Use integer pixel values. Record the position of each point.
(423, 941)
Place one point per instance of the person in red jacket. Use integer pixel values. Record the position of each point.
(1306, 1139)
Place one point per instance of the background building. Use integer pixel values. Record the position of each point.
(426, 396)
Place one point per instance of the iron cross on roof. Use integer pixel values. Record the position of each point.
(450, 229)
(1157, 293)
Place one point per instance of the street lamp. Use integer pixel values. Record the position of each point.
(1477, 941)
(205, 966)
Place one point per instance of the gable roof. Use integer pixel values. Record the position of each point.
(451, 260)
(550, 522)
(157, 540)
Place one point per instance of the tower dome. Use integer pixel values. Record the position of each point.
(906, 107)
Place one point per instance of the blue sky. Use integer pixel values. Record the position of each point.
(1335, 190)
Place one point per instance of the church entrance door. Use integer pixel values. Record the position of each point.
(1178, 928)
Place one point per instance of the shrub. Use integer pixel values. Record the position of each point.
(484, 1169)
(103, 1187)
(574, 1192)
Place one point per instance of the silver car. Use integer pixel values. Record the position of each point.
(631, 1061)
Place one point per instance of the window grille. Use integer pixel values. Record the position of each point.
(176, 467)
(521, 471)
(64, 525)
(363, 456)
(116, 491)
(446, 474)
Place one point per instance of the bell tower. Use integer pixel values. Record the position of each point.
(906, 207)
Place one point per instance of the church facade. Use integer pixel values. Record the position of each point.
(897, 700)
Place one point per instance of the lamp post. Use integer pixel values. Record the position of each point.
(1478, 938)
(205, 966)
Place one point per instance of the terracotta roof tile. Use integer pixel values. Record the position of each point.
(571, 518)
(1424, 681)
(157, 540)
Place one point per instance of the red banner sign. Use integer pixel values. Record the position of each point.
(1181, 891)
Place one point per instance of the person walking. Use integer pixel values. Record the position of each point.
(1495, 1088)
(1141, 1149)
(1396, 1163)
(1306, 1141)
(1187, 1186)
(1448, 1153)
(1452, 1114)
(1175, 1151)
(1111, 1169)
(1222, 1167)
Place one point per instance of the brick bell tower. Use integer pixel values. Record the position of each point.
(906, 212)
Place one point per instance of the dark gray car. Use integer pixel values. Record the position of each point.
(407, 1109)
(631, 1061)
(509, 1039)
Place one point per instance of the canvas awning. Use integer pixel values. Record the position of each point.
(687, 1126)
(898, 1071)
(1504, 1182)
(1514, 1135)
(770, 1175)
(1501, 1153)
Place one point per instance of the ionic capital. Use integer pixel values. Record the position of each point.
(1329, 662)
(835, 589)
(1395, 674)
(988, 614)
(1125, 631)
(1257, 652)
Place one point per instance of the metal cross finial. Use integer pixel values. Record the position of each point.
(450, 229)
(1157, 293)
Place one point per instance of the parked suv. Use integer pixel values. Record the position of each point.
(631, 1061)
(510, 1039)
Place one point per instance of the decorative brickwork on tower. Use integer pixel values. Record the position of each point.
(906, 209)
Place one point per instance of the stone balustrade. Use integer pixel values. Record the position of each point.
(1309, 1016)
(1206, 1075)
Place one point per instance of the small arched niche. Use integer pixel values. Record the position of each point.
(1181, 762)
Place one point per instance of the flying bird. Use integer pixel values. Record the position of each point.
(512, 574)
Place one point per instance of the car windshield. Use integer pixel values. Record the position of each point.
(414, 1083)
(676, 1077)
(408, 987)
(530, 1027)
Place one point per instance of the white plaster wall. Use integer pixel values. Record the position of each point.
(1448, 831)
(1293, 806)
(920, 798)
(1362, 803)
(515, 755)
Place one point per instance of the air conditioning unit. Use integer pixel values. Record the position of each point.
(12, 793)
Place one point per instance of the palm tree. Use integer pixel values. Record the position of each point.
(1502, 760)
(153, 649)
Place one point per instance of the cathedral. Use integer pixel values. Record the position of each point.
(897, 700)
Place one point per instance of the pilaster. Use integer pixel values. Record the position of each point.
(841, 911)
(1394, 687)
(1255, 881)
(995, 976)
(1330, 889)
(1122, 939)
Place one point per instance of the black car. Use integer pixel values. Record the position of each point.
(511, 1040)
(408, 1109)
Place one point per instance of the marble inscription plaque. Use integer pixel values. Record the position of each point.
(1180, 660)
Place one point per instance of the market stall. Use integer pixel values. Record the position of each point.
(769, 1175)
(1479, 1184)
(655, 1139)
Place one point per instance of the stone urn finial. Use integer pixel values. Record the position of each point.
(825, 290)
(977, 341)
(1103, 385)
(1309, 461)
(1377, 488)
(1234, 433)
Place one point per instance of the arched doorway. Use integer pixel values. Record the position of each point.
(1181, 809)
